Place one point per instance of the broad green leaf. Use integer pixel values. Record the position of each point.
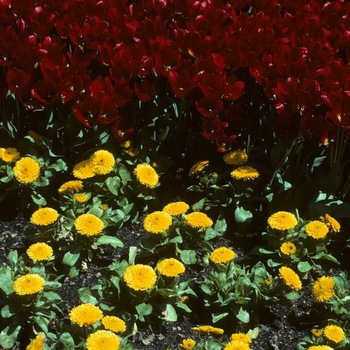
(66, 342)
(243, 216)
(9, 335)
(170, 313)
(304, 266)
(188, 257)
(71, 257)
(113, 241)
(217, 317)
(243, 315)
(86, 296)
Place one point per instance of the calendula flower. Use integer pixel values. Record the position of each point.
(316, 332)
(37, 343)
(104, 206)
(288, 248)
(290, 278)
(140, 277)
(222, 255)
(188, 344)
(208, 329)
(85, 314)
(71, 187)
(83, 170)
(241, 337)
(102, 162)
(102, 340)
(282, 220)
(44, 216)
(170, 267)
(81, 197)
(323, 289)
(9, 155)
(235, 157)
(133, 152)
(198, 220)
(268, 281)
(28, 284)
(245, 173)
(157, 222)
(88, 225)
(320, 347)
(26, 170)
(40, 251)
(316, 229)
(176, 208)
(114, 324)
(331, 223)
(334, 333)
(236, 345)
(146, 175)
(198, 167)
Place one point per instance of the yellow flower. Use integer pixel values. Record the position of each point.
(331, 223)
(30, 283)
(133, 152)
(146, 175)
(290, 278)
(85, 314)
(83, 170)
(176, 208)
(102, 162)
(157, 222)
(140, 277)
(288, 248)
(88, 225)
(104, 206)
(188, 344)
(323, 289)
(236, 345)
(198, 220)
(170, 267)
(44, 216)
(9, 155)
(37, 343)
(125, 144)
(81, 197)
(114, 324)
(241, 337)
(316, 229)
(316, 332)
(245, 173)
(208, 329)
(334, 333)
(26, 170)
(320, 347)
(282, 220)
(102, 340)
(198, 167)
(235, 157)
(40, 251)
(268, 281)
(222, 255)
(71, 187)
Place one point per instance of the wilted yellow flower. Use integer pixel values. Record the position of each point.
(320, 347)
(170, 267)
(81, 197)
(188, 344)
(323, 289)
(133, 152)
(332, 223)
(208, 329)
(334, 333)
(245, 173)
(288, 248)
(146, 175)
(85, 314)
(140, 277)
(44, 216)
(88, 225)
(26, 170)
(40, 251)
(236, 345)
(71, 187)
(222, 255)
(125, 144)
(9, 155)
(241, 337)
(83, 170)
(316, 332)
(235, 157)
(290, 278)
(157, 222)
(102, 340)
(102, 162)
(198, 220)
(176, 208)
(37, 343)
(30, 283)
(114, 324)
(316, 229)
(198, 167)
(282, 220)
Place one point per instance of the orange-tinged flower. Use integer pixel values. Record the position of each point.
(114, 324)
(146, 175)
(37, 343)
(316, 229)
(288, 248)
(157, 222)
(245, 173)
(198, 167)
(26, 170)
(9, 155)
(237, 157)
(170, 267)
(198, 220)
(40, 251)
(323, 289)
(44, 216)
(85, 314)
(290, 278)
(282, 220)
(140, 277)
(88, 225)
(332, 223)
(28, 284)
(222, 255)
(71, 187)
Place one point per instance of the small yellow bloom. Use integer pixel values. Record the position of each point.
(26, 170)
(170, 267)
(334, 333)
(133, 152)
(290, 278)
(102, 340)
(28, 284)
(146, 175)
(37, 343)
(208, 329)
(241, 337)
(323, 289)
(198, 220)
(104, 206)
(282, 220)
(83, 170)
(81, 197)
(222, 255)
(268, 281)
(198, 167)
(114, 324)
(320, 347)
(245, 173)
(44, 216)
(236, 345)
(125, 144)
(40, 251)
(188, 344)
(88, 225)
(316, 332)
(157, 222)
(140, 277)
(235, 157)
(176, 208)
(332, 223)
(288, 248)
(85, 314)
(316, 229)
(9, 155)
(102, 162)
(71, 187)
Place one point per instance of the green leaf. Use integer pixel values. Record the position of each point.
(293, 296)
(6, 312)
(13, 257)
(143, 310)
(243, 316)
(243, 216)
(220, 225)
(218, 317)
(304, 266)
(331, 258)
(123, 173)
(210, 234)
(9, 335)
(188, 257)
(113, 184)
(6, 282)
(265, 251)
(86, 296)
(38, 199)
(183, 307)
(71, 257)
(272, 263)
(132, 255)
(113, 241)
(253, 333)
(66, 342)
(169, 313)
